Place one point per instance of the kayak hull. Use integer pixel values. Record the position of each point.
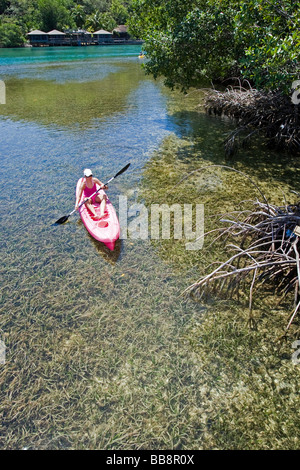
(105, 230)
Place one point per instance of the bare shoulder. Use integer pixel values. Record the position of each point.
(97, 181)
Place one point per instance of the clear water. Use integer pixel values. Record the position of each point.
(67, 109)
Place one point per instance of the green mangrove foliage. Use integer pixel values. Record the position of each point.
(190, 40)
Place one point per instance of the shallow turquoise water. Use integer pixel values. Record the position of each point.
(27, 55)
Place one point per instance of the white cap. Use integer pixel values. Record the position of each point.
(87, 172)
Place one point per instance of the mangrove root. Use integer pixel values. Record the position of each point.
(272, 114)
(272, 236)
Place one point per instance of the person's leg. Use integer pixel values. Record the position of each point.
(101, 198)
(90, 206)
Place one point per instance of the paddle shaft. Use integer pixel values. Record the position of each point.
(83, 202)
(119, 173)
(65, 218)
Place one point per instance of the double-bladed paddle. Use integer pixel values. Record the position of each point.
(64, 219)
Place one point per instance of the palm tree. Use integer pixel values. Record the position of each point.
(94, 20)
(78, 15)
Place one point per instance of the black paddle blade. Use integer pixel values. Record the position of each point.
(122, 171)
(62, 220)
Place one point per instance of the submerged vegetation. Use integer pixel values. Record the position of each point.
(250, 248)
(248, 385)
(128, 363)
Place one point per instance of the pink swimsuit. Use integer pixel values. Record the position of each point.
(87, 192)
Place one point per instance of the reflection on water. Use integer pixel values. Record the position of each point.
(71, 103)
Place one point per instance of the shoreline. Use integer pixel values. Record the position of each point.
(115, 43)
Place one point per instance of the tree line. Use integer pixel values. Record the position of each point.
(18, 17)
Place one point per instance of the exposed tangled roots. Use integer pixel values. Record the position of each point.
(274, 115)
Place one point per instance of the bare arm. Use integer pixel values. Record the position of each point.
(102, 185)
(81, 188)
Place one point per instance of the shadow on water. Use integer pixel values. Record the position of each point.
(207, 134)
(108, 255)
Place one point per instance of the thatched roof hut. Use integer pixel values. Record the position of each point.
(102, 36)
(37, 37)
(121, 32)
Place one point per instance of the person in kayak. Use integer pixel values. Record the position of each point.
(88, 187)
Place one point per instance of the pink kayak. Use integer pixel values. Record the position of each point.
(105, 230)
